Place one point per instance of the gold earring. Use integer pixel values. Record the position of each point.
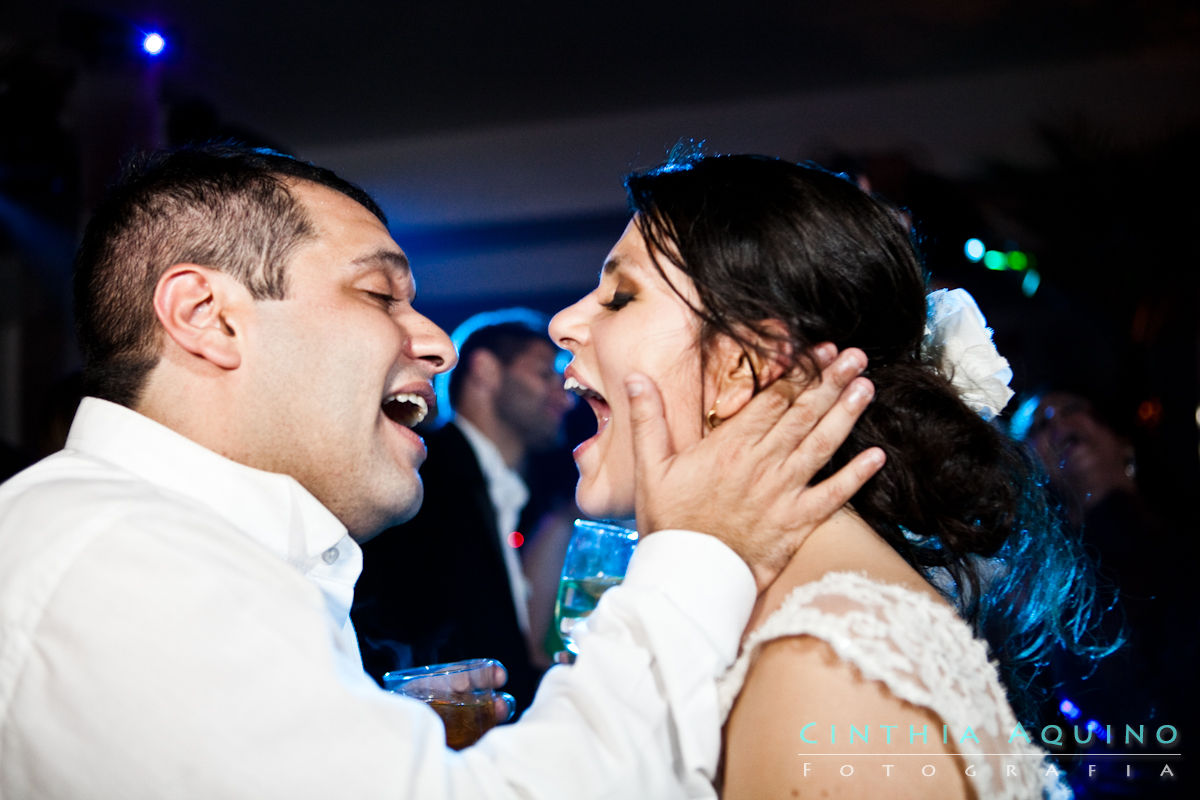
(711, 417)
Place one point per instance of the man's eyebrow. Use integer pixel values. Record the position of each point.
(385, 259)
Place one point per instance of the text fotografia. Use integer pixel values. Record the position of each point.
(1129, 750)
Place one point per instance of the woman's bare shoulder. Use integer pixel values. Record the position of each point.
(807, 723)
(790, 730)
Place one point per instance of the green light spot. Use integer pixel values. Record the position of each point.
(994, 259)
(1018, 260)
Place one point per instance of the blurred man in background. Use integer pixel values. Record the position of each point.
(508, 402)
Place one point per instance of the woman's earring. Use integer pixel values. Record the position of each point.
(711, 417)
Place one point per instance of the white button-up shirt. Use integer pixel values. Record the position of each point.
(509, 494)
(175, 625)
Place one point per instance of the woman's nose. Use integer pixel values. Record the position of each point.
(567, 328)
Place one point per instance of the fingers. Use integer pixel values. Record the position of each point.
(823, 406)
(815, 504)
(825, 353)
(504, 705)
(499, 675)
(822, 440)
(814, 398)
(826, 497)
(651, 442)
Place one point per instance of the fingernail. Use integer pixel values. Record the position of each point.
(853, 363)
(876, 457)
(825, 353)
(859, 394)
(634, 386)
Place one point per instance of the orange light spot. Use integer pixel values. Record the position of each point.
(1150, 412)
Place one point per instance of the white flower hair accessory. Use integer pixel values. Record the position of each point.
(959, 343)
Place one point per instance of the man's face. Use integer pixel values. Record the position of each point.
(531, 400)
(1082, 456)
(340, 369)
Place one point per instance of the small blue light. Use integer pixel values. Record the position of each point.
(153, 43)
(1069, 709)
(974, 250)
(1031, 282)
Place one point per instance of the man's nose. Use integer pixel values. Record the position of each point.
(429, 343)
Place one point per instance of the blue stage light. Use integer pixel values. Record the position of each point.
(1069, 709)
(153, 43)
(974, 250)
(1031, 282)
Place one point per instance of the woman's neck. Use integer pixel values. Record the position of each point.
(843, 544)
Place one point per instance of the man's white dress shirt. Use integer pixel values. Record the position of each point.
(174, 625)
(509, 494)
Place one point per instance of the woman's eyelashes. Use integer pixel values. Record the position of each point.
(619, 300)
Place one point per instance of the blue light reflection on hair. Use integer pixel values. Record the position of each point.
(1022, 419)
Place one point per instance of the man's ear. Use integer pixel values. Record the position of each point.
(740, 372)
(485, 370)
(191, 303)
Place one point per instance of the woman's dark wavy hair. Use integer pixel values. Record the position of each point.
(763, 239)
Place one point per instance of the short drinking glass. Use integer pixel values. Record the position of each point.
(462, 693)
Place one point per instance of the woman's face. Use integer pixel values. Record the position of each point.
(633, 321)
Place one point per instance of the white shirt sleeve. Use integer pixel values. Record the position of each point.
(175, 659)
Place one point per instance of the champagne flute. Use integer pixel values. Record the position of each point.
(596, 559)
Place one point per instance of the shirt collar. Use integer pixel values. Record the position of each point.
(505, 485)
(273, 509)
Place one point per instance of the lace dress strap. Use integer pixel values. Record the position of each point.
(925, 654)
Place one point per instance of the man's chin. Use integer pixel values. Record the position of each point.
(367, 531)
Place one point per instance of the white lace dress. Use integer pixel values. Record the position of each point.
(924, 654)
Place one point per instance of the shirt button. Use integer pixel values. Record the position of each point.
(330, 555)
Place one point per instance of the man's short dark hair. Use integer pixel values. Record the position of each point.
(505, 333)
(221, 205)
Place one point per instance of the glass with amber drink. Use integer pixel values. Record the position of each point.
(462, 694)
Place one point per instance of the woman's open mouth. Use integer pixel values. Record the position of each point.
(599, 406)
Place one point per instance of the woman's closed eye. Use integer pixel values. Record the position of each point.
(619, 300)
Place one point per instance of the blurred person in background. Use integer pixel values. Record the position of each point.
(507, 402)
(1091, 465)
